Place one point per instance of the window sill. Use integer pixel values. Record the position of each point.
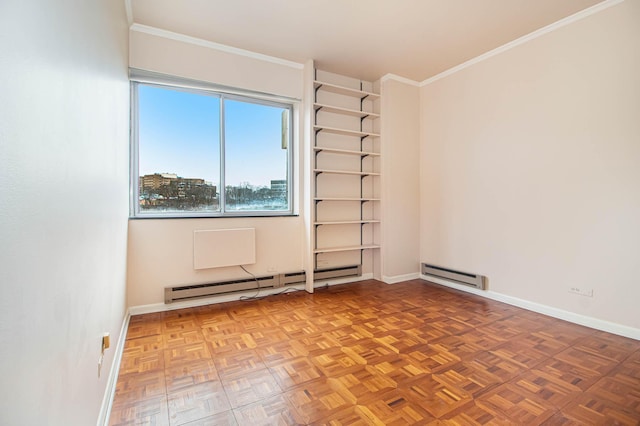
(247, 216)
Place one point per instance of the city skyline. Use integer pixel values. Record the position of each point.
(272, 182)
(170, 192)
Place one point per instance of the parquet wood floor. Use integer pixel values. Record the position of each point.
(373, 354)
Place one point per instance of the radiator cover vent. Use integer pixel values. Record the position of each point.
(466, 278)
(197, 291)
(339, 272)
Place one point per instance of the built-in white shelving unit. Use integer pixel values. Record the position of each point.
(346, 166)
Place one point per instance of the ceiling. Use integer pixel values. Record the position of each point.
(366, 39)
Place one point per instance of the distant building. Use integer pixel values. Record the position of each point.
(279, 185)
(158, 180)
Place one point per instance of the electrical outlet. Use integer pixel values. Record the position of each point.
(588, 292)
(106, 342)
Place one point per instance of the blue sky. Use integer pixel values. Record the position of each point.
(179, 132)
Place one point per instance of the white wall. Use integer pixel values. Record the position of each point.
(531, 168)
(400, 115)
(161, 251)
(63, 214)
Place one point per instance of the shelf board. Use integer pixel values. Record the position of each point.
(345, 111)
(344, 132)
(346, 152)
(347, 248)
(345, 199)
(347, 222)
(345, 172)
(341, 90)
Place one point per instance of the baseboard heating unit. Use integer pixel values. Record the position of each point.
(472, 280)
(340, 272)
(196, 291)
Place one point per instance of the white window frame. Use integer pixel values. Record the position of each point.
(138, 77)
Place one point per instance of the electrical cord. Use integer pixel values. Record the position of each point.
(257, 284)
(258, 288)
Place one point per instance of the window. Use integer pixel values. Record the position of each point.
(201, 153)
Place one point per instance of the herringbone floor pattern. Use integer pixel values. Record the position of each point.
(370, 353)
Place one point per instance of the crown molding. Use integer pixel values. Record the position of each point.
(212, 45)
(400, 79)
(524, 39)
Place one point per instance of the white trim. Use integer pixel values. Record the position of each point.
(110, 390)
(524, 39)
(156, 307)
(400, 79)
(129, 11)
(587, 321)
(211, 45)
(144, 76)
(400, 278)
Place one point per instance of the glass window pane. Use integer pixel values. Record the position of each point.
(178, 151)
(256, 156)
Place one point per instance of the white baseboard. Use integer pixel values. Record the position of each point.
(598, 324)
(110, 390)
(400, 278)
